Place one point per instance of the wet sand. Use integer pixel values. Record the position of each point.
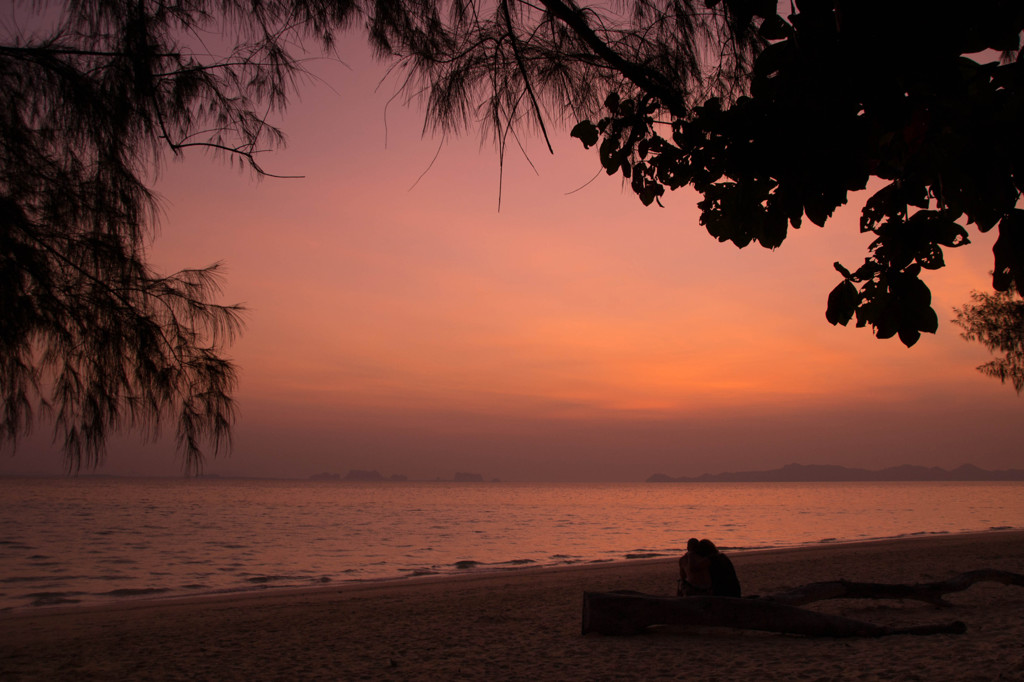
(525, 625)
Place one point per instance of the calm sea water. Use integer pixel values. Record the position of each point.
(65, 541)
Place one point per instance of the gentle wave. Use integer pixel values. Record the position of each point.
(139, 592)
(54, 598)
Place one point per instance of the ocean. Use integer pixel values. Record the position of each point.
(89, 540)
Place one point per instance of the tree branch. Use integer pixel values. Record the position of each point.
(643, 77)
(522, 70)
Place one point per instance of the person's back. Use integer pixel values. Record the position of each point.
(724, 582)
(694, 572)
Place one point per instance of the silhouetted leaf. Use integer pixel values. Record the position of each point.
(946, 231)
(650, 192)
(842, 303)
(775, 28)
(909, 336)
(772, 59)
(817, 212)
(887, 325)
(774, 227)
(586, 132)
(928, 321)
(609, 153)
(931, 257)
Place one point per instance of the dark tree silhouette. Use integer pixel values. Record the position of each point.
(997, 321)
(94, 93)
(847, 93)
(507, 64)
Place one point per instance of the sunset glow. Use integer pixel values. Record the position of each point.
(404, 323)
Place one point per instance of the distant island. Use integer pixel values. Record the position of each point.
(825, 473)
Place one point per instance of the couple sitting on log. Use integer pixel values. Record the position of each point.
(703, 571)
(708, 577)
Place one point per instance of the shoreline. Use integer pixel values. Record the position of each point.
(260, 592)
(525, 624)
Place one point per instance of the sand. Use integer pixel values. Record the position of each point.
(525, 625)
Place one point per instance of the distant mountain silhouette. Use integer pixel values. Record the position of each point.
(795, 473)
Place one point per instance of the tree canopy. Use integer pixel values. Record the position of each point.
(845, 94)
(770, 117)
(95, 93)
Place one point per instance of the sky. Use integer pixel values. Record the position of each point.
(399, 321)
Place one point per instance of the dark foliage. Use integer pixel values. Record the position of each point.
(94, 92)
(848, 93)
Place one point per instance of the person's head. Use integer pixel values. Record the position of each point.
(706, 548)
(692, 544)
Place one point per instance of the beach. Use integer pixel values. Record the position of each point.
(525, 625)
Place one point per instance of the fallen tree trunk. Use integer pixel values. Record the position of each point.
(931, 593)
(630, 613)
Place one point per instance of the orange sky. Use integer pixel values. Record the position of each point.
(581, 336)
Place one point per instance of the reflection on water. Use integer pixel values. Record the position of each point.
(82, 540)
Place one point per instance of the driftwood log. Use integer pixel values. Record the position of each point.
(628, 613)
(931, 593)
